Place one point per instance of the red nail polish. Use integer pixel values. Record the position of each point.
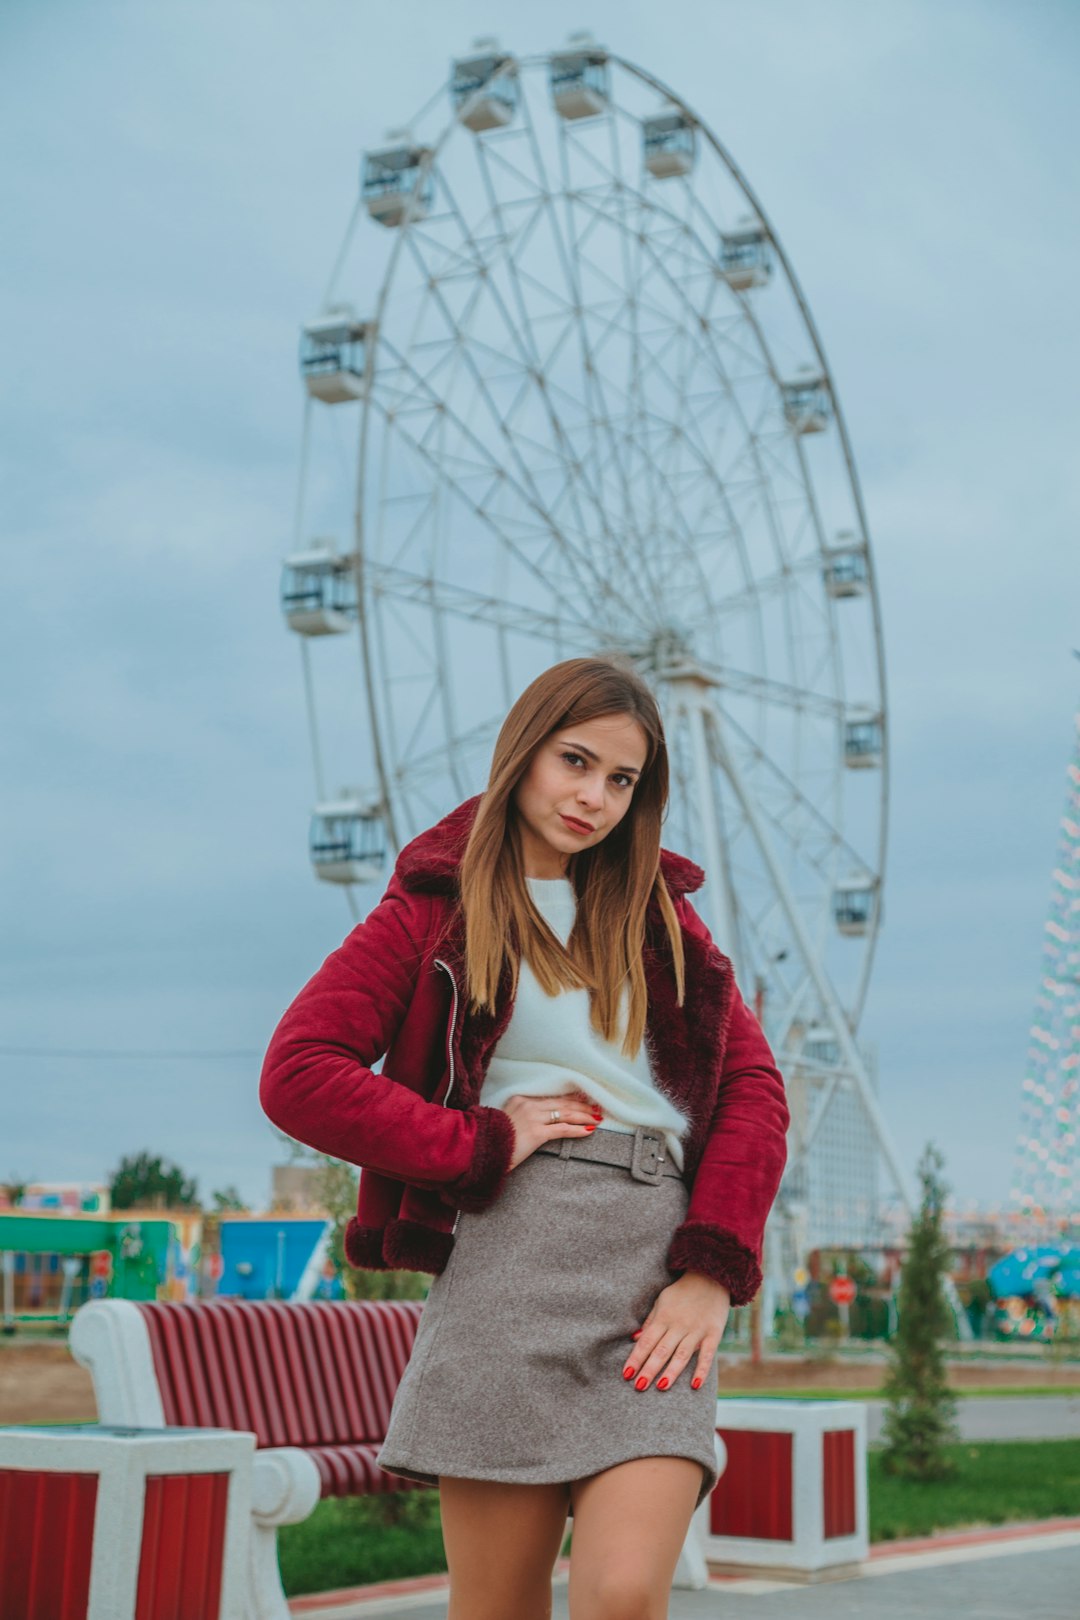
(695, 1383)
(662, 1384)
(636, 1333)
(628, 1372)
(642, 1381)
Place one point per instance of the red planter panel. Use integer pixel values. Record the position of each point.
(46, 1543)
(753, 1495)
(838, 1482)
(182, 1545)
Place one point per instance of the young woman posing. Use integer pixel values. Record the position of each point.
(579, 1128)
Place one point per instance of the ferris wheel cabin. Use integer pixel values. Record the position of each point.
(807, 403)
(397, 183)
(318, 592)
(745, 256)
(484, 90)
(845, 571)
(820, 1046)
(669, 144)
(863, 739)
(580, 82)
(333, 354)
(348, 842)
(853, 906)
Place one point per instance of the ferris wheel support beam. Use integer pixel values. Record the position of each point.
(821, 1108)
(690, 700)
(830, 1002)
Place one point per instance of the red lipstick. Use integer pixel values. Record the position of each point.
(576, 826)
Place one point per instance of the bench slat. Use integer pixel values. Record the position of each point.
(320, 1375)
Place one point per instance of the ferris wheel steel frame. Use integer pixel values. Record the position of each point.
(614, 554)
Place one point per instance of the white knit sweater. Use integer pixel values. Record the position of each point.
(549, 1047)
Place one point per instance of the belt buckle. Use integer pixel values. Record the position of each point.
(646, 1163)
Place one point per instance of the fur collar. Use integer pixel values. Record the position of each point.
(431, 860)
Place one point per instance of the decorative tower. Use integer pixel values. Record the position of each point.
(1046, 1183)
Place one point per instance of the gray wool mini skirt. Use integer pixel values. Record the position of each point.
(516, 1369)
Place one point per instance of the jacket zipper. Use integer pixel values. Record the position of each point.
(450, 1053)
(450, 1031)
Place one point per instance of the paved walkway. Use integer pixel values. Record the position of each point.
(1032, 1571)
(1004, 1417)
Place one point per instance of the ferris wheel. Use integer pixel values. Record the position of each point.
(565, 395)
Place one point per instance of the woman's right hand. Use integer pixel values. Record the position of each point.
(533, 1124)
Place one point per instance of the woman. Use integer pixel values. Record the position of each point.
(579, 1128)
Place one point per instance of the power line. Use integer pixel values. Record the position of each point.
(113, 1056)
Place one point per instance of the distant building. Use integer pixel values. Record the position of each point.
(71, 1197)
(277, 1256)
(294, 1189)
(56, 1259)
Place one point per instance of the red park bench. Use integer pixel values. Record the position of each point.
(313, 1382)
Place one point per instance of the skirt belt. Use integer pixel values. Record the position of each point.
(644, 1154)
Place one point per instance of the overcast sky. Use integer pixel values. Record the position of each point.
(174, 184)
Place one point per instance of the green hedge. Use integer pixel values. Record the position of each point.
(351, 1541)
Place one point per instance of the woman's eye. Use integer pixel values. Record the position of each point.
(569, 755)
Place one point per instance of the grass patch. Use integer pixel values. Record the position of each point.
(351, 1541)
(993, 1483)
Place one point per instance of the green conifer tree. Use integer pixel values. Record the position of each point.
(921, 1408)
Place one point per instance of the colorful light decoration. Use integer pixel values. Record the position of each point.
(1046, 1182)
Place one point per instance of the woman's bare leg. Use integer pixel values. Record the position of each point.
(501, 1545)
(630, 1523)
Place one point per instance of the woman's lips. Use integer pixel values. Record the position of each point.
(576, 826)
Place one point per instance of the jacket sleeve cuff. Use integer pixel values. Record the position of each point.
(493, 1149)
(698, 1246)
(363, 1246)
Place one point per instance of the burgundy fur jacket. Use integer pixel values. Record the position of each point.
(428, 1149)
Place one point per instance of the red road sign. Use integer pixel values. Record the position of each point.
(842, 1291)
(101, 1263)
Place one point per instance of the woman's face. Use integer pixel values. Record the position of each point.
(578, 786)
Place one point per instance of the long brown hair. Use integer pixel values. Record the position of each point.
(614, 880)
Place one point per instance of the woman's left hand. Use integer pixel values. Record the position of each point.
(688, 1319)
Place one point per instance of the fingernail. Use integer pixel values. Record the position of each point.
(636, 1333)
(695, 1383)
(628, 1372)
(642, 1381)
(590, 1127)
(662, 1384)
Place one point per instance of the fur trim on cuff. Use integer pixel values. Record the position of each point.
(409, 1246)
(492, 1151)
(698, 1246)
(363, 1247)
